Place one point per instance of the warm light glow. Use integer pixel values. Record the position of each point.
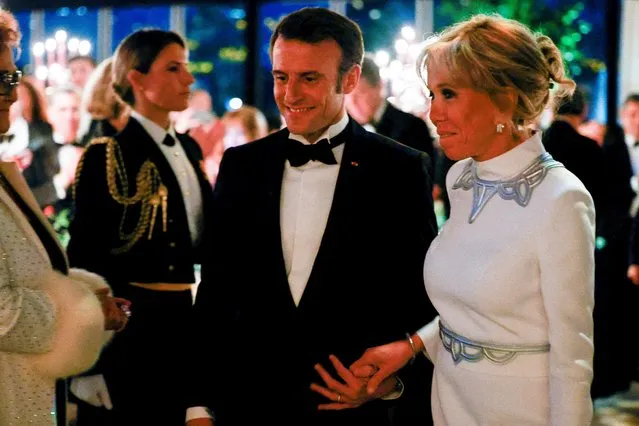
(84, 48)
(408, 33)
(38, 49)
(42, 72)
(382, 58)
(72, 44)
(235, 103)
(50, 44)
(401, 46)
(60, 36)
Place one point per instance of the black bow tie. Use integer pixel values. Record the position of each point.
(168, 140)
(299, 154)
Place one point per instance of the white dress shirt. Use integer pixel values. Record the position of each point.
(305, 202)
(184, 172)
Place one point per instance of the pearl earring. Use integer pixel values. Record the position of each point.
(500, 128)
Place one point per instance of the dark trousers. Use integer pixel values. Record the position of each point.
(145, 366)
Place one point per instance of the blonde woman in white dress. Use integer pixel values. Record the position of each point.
(511, 273)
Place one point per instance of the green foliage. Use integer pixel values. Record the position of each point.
(60, 222)
(564, 25)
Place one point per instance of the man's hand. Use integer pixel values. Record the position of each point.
(633, 274)
(350, 393)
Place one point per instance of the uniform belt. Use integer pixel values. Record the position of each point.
(464, 349)
(164, 286)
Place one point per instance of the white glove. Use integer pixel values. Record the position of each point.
(92, 390)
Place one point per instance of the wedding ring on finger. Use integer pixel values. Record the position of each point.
(125, 310)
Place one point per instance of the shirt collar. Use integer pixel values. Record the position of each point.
(630, 141)
(332, 131)
(154, 130)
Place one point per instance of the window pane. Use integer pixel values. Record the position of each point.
(129, 19)
(269, 15)
(24, 19)
(216, 37)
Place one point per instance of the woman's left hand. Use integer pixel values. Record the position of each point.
(116, 310)
(350, 393)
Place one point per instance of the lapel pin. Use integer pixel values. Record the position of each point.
(355, 163)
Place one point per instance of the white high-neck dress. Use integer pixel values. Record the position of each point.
(515, 276)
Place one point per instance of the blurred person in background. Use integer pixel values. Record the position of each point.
(243, 125)
(616, 296)
(594, 130)
(579, 154)
(107, 113)
(54, 320)
(64, 114)
(367, 104)
(33, 135)
(80, 68)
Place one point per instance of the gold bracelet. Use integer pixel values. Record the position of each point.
(412, 347)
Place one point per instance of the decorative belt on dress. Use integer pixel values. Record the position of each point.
(464, 349)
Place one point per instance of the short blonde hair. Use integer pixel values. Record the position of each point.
(490, 54)
(252, 120)
(9, 31)
(99, 98)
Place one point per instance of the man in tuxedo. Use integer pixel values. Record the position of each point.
(615, 296)
(314, 227)
(367, 104)
(579, 154)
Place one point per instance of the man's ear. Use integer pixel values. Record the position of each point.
(351, 78)
(136, 79)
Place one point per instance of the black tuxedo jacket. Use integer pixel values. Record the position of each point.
(95, 230)
(366, 287)
(407, 129)
(579, 154)
(619, 194)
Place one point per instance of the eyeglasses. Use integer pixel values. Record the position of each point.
(8, 81)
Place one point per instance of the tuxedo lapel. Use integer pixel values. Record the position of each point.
(343, 208)
(269, 180)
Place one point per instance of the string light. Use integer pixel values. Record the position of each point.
(51, 57)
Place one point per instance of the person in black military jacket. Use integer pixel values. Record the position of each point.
(313, 227)
(140, 203)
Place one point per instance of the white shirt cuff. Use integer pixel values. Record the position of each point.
(397, 391)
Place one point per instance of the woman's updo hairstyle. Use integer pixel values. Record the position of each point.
(489, 53)
(138, 51)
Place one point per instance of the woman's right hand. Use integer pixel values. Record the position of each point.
(382, 361)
